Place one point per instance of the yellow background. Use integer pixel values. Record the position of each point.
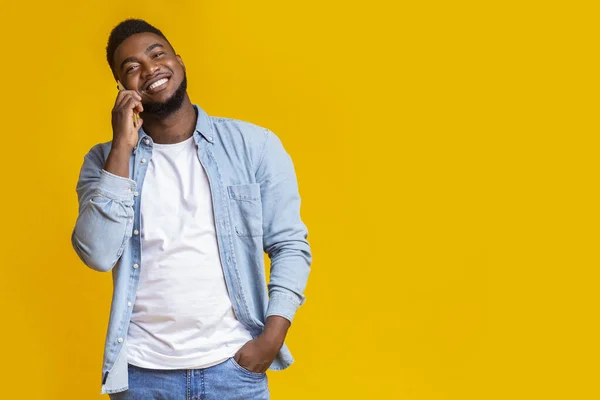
(447, 160)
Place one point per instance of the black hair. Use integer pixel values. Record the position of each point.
(123, 31)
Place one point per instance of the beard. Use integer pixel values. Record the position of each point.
(170, 105)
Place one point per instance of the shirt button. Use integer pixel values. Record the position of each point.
(135, 266)
(147, 141)
(143, 160)
(136, 232)
(128, 304)
(136, 194)
(120, 340)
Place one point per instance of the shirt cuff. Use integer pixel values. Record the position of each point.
(283, 305)
(116, 187)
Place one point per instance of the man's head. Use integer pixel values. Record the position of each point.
(142, 59)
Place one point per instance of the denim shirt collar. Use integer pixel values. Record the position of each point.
(203, 128)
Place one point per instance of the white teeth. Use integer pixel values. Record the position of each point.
(158, 83)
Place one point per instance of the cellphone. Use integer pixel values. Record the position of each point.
(135, 116)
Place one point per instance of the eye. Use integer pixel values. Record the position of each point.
(158, 54)
(130, 69)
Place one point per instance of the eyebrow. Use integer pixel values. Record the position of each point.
(134, 59)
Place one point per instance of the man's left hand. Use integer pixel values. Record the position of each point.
(258, 354)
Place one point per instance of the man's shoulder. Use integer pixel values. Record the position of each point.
(239, 131)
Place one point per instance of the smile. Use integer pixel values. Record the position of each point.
(159, 84)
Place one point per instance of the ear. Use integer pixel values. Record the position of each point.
(180, 61)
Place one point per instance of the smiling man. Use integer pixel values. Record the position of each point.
(180, 206)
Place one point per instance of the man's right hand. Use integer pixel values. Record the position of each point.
(125, 132)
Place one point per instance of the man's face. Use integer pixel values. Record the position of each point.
(145, 62)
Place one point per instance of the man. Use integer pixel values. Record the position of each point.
(180, 207)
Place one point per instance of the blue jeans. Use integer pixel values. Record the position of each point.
(225, 381)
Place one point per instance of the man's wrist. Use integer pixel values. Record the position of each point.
(275, 331)
(121, 149)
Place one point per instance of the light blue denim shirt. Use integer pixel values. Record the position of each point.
(256, 206)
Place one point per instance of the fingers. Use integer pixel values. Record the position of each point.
(128, 104)
(127, 98)
(139, 124)
(132, 105)
(138, 107)
(124, 95)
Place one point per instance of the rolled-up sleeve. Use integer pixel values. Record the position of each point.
(105, 215)
(284, 233)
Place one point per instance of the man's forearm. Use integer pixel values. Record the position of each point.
(276, 328)
(117, 162)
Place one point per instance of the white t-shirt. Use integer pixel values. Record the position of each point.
(182, 316)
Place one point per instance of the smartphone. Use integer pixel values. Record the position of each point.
(135, 115)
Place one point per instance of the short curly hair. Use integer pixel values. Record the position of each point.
(123, 31)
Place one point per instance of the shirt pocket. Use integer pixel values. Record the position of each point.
(246, 209)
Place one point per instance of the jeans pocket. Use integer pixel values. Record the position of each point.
(257, 375)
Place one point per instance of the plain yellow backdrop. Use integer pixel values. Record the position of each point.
(447, 159)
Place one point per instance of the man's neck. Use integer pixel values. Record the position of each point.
(174, 128)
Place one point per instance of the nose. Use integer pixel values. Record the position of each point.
(148, 69)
